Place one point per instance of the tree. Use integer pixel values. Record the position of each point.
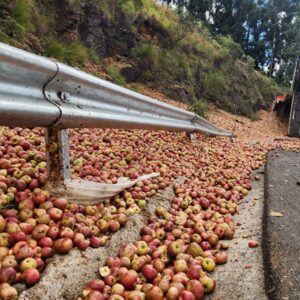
(265, 29)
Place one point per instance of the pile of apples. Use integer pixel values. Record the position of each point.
(177, 249)
(35, 225)
(42, 226)
(38, 225)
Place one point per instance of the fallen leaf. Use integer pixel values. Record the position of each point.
(276, 214)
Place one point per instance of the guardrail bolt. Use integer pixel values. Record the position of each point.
(64, 96)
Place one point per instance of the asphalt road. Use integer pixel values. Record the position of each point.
(281, 234)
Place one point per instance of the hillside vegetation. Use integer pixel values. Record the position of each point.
(138, 42)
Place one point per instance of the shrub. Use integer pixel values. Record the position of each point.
(143, 50)
(115, 75)
(22, 12)
(77, 53)
(55, 49)
(148, 54)
(199, 107)
(73, 54)
(234, 48)
(128, 7)
(214, 85)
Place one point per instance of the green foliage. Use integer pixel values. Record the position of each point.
(148, 54)
(22, 12)
(4, 38)
(267, 87)
(214, 85)
(200, 107)
(115, 74)
(143, 50)
(172, 51)
(128, 7)
(55, 49)
(73, 54)
(234, 48)
(167, 18)
(265, 30)
(75, 2)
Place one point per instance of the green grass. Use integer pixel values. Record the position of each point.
(115, 75)
(75, 53)
(22, 12)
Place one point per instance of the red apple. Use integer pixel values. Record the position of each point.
(154, 293)
(7, 275)
(60, 203)
(208, 283)
(46, 252)
(83, 244)
(196, 287)
(31, 276)
(205, 245)
(96, 242)
(173, 293)
(17, 237)
(24, 252)
(45, 242)
(55, 214)
(66, 232)
(175, 248)
(39, 231)
(63, 245)
(113, 262)
(194, 272)
(113, 225)
(149, 272)
(221, 257)
(186, 295)
(53, 232)
(129, 280)
(253, 244)
(96, 284)
(26, 228)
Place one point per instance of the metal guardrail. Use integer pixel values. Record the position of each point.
(37, 91)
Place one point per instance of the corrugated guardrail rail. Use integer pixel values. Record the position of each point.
(37, 91)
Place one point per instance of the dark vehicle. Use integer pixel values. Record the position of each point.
(288, 106)
(282, 105)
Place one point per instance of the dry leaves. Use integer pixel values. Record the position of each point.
(276, 214)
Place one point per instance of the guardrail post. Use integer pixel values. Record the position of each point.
(58, 160)
(190, 136)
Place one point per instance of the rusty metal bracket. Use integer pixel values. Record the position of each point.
(58, 159)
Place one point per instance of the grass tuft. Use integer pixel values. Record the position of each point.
(114, 73)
